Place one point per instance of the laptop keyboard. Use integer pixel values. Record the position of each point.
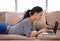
(50, 32)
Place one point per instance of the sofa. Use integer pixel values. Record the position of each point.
(48, 20)
(13, 18)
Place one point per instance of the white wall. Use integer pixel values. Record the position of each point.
(53, 5)
(24, 5)
(7, 5)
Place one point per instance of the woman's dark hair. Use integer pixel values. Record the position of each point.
(32, 11)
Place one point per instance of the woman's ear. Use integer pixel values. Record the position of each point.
(35, 13)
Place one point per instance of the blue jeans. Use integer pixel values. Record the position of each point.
(3, 28)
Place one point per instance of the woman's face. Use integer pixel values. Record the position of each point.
(38, 15)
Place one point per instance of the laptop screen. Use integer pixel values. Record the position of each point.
(55, 27)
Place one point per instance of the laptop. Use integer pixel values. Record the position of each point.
(54, 29)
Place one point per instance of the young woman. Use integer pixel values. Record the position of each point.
(26, 27)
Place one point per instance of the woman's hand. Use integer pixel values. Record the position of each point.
(42, 30)
(33, 33)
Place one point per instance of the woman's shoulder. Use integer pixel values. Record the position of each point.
(25, 21)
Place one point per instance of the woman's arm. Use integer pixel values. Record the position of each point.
(35, 33)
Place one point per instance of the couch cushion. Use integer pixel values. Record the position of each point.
(53, 17)
(49, 36)
(13, 18)
(2, 15)
(13, 37)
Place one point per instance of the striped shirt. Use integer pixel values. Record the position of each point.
(23, 27)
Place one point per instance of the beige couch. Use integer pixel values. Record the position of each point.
(13, 18)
